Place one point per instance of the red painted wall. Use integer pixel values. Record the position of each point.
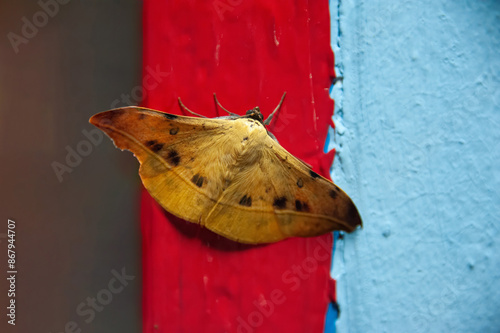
(249, 53)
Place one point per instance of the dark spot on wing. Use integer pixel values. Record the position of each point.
(173, 131)
(300, 182)
(333, 194)
(353, 216)
(246, 201)
(313, 174)
(142, 116)
(301, 206)
(173, 158)
(110, 116)
(198, 180)
(157, 147)
(169, 116)
(118, 112)
(279, 202)
(150, 143)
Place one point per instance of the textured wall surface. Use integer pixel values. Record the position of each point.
(74, 228)
(418, 142)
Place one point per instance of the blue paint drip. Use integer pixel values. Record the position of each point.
(331, 317)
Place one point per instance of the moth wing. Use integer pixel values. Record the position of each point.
(278, 196)
(176, 154)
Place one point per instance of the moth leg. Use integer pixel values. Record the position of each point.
(184, 108)
(218, 105)
(268, 120)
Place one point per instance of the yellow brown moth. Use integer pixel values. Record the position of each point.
(228, 174)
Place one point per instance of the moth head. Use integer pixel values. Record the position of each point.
(255, 114)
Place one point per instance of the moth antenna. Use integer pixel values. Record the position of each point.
(218, 105)
(184, 108)
(268, 120)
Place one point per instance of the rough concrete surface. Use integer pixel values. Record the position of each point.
(418, 139)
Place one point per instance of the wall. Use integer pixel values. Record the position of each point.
(72, 231)
(418, 143)
(417, 135)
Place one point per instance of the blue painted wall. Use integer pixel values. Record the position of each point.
(418, 139)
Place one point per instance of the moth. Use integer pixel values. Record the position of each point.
(229, 174)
